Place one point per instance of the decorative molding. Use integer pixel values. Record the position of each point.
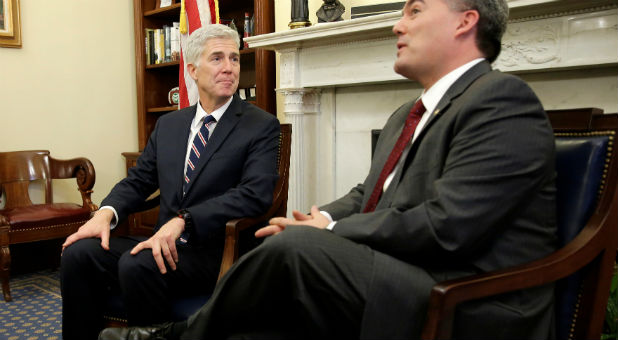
(300, 101)
(576, 41)
(532, 44)
(564, 13)
(328, 33)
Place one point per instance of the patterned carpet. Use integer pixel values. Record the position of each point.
(36, 309)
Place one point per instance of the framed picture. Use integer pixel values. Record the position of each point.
(10, 25)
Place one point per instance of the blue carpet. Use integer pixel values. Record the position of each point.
(36, 309)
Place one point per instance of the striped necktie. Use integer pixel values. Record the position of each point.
(197, 148)
(414, 117)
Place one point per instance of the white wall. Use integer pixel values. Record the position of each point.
(71, 87)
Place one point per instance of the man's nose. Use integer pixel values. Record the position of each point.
(397, 27)
(227, 65)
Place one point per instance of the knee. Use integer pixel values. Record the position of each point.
(293, 240)
(79, 254)
(134, 267)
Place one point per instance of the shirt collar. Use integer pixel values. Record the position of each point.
(200, 113)
(434, 94)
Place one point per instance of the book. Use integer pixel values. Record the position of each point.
(151, 47)
(157, 44)
(175, 42)
(242, 94)
(246, 29)
(147, 45)
(168, 44)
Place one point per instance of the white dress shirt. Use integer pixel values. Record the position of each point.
(197, 122)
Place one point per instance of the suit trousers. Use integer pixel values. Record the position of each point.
(301, 283)
(89, 274)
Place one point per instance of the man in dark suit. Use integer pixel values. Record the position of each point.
(462, 182)
(201, 187)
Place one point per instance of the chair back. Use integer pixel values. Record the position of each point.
(17, 170)
(586, 193)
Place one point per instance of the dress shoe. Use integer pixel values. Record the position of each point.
(157, 332)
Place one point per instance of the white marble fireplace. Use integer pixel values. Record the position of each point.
(338, 83)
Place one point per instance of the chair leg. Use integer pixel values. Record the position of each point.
(5, 262)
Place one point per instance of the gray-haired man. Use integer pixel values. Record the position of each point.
(208, 171)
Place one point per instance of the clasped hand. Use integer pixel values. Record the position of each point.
(278, 224)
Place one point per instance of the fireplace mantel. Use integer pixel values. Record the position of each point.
(316, 61)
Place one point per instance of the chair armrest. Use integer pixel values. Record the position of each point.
(232, 235)
(235, 226)
(446, 295)
(79, 168)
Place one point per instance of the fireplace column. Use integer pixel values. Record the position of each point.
(301, 107)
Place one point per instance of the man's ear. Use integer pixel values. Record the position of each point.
(192, 71)
(468, 21)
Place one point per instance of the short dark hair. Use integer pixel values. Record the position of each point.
(493, 17)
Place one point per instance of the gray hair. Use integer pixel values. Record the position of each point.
(197, 40)
(493, 18)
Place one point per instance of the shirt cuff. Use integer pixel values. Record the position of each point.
(114, 222)
(332, 223)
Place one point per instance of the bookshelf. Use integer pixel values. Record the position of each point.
(154, 81)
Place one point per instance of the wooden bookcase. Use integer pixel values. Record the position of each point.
(155, 81)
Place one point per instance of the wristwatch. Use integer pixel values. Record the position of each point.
(186, 234)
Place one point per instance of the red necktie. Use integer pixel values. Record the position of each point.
(408, 131)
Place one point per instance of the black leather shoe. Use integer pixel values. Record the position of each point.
(157, 332)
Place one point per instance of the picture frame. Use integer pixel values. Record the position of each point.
(10, 24)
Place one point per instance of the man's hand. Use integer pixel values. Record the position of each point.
(97, 226)
(278, 224)
(163, 244)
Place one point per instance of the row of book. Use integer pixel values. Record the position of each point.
(247, 93)
(162, 44)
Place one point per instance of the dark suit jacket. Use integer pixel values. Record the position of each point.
(476, 194)
(235, 176)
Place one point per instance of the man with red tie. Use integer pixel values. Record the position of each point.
(461, 183)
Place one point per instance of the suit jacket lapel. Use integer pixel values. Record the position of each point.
(224, 127)
(388, 139)
(453, 92)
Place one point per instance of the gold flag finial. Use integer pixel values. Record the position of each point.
(183, 18)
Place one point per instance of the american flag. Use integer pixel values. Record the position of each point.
(193, 14)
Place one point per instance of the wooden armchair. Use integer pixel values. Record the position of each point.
(587, 213)
(20, 220)
(182, 308)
